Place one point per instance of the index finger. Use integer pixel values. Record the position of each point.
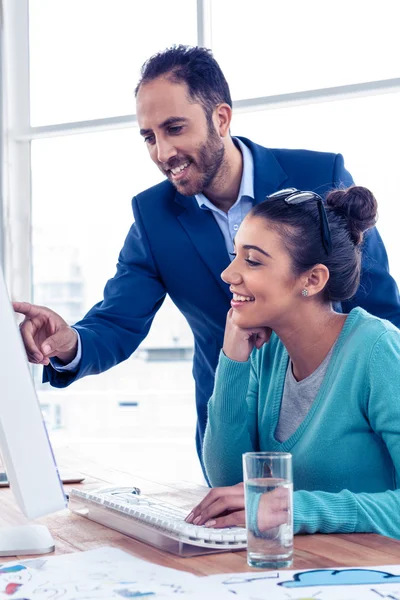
(27, 309)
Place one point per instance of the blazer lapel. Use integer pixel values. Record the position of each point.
(206, 236)
(268, 173)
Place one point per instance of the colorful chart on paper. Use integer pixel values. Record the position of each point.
(366, 583)
(103, 573)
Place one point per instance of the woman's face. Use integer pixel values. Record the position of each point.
(265, 291)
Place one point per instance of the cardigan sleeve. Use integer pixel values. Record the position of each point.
(347, 512)
(232, 421)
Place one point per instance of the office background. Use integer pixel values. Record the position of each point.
(303, 74)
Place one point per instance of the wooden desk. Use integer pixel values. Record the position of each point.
(73, 533)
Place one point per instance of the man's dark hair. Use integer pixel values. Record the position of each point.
(194, 66)
(350, 212)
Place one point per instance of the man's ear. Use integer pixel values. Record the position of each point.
(222, 118)
(316, 279)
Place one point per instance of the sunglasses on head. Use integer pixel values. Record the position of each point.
(294, 196)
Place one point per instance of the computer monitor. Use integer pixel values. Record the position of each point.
(24, 443)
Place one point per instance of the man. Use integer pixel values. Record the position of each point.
(184, 229)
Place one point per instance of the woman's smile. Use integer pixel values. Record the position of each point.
(240, 300)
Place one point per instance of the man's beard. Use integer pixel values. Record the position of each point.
(210, 160)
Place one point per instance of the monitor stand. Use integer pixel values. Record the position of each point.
(25, 539)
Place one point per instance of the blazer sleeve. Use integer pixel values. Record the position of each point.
(348, 512)
(232, 421)
(378, 292)
(113, 329)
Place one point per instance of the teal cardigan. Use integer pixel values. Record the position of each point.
(346, 452)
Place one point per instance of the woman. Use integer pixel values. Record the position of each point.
(297, 376)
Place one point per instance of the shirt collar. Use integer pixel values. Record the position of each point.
(247, 181)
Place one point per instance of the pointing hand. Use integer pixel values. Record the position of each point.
(45, 334)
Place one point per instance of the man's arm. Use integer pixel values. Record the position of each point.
(113, 329)
(377, 292)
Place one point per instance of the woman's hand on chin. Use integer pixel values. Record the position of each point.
(222, 507)
(239, 343)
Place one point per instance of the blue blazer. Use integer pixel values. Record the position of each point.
(176, 248)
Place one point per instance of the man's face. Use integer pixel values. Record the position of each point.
(184, 146)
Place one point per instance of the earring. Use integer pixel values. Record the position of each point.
(304, 292)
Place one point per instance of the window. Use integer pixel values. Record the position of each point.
(85, 57)
(288, 46)
(82, 187)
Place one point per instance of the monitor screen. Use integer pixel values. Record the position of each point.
(24, 443)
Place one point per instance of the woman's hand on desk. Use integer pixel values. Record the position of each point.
(45, 334)
(239, 343)
(224, 507)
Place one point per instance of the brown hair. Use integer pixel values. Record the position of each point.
(350, 213)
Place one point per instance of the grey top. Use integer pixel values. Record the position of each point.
(298, 397)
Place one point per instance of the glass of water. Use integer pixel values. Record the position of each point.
(268, 485)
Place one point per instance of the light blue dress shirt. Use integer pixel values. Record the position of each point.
(228, 223)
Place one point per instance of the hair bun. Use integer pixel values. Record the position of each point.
(358, 205)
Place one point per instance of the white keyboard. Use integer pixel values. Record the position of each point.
(153, 521)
